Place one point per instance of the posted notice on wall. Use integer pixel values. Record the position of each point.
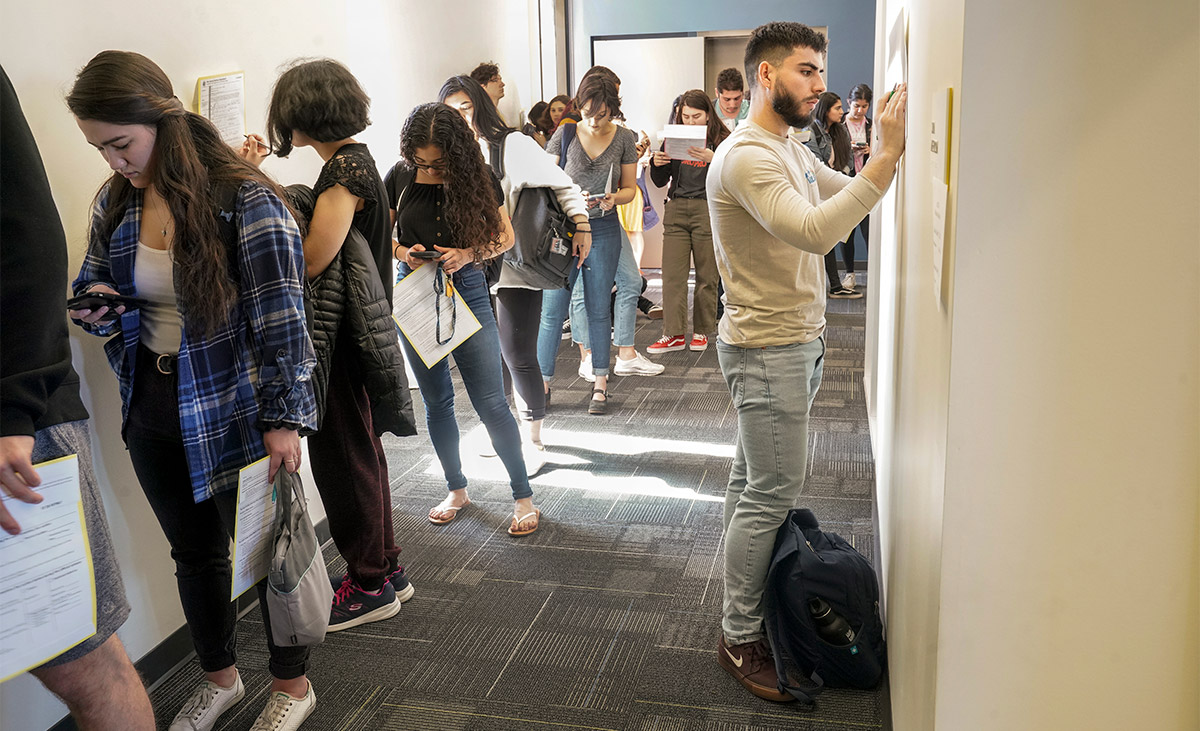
(47, 584)
(435, 324)
(254, 528)
(222, 100)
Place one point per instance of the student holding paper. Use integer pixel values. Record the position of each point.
(687, 234)
(454, 211)
(214, 371)
(43, 418)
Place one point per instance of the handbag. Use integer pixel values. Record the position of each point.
(299, 594)
(542, 252)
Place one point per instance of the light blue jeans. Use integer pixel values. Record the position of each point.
(478, 361)
(598, 272)
(772, 389)
(629, 288)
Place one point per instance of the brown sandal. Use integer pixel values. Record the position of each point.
(536, 515)
(597, 408)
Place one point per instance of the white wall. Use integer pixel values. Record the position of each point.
(1040, 483)
(400, 51)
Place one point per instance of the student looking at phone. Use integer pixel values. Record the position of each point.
(601, 157)
(455, 206)
(218, 376)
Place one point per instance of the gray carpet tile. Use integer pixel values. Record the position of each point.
(607, 617)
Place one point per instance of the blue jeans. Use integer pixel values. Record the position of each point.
(772, 389)
(629, 288)
(599, 270)
(478, 361)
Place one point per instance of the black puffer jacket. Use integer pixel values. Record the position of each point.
(348, 299)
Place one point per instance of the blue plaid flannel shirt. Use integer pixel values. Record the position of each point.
(255, 371)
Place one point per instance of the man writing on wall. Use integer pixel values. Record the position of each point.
(775, 212)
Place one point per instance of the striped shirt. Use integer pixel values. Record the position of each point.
(246, 376)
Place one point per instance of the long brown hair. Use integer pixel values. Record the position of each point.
(472, 211)
(190, 163)
(697, 99)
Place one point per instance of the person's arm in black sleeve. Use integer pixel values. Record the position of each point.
(35, 355)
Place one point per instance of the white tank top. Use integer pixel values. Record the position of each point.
(160, 323)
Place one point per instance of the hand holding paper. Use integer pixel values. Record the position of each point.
(679, 138)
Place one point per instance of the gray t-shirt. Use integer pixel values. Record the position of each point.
(593, 175)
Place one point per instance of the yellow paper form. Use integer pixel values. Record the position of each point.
(254, 529)
(415, 311)
(47, 584)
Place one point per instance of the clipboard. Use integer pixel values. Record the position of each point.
(415, 313)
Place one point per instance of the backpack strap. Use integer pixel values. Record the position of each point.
(807, 690)
(568, 137)
(496, 152)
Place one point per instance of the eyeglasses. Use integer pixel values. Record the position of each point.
(438, 168)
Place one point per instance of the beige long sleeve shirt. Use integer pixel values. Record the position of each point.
(776, 211)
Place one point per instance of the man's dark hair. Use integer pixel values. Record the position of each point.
(598, 90)
(774, 42)
(729, 79)
(322, 99)
(485, 73)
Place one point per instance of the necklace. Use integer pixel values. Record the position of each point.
(162, 219)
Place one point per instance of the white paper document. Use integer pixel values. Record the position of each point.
(677, 138)
(222, 100)
(253, 534)
(47, 587)
(426, 317)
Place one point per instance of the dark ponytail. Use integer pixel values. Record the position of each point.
(190, 162)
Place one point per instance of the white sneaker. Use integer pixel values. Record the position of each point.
(638, 365)
(535, 458)
(848, 281)
(585, 371)
(207, 703)
(285, 713)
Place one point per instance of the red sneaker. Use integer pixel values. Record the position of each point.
(699, 343)
(666, 345)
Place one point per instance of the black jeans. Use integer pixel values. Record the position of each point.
(198, 533)
(518, 315)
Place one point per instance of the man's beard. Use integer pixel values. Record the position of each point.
(787, 107)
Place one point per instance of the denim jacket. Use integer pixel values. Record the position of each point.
(247, 376)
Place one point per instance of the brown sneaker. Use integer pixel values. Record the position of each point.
(753, 666)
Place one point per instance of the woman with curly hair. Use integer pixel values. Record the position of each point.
(320, 104)
(455, 206)
(215, 368)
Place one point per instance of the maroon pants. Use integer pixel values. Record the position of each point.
(351, 471)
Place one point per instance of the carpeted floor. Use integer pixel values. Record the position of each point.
(607, 617)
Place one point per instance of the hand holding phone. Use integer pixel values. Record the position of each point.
(426, 255)
(108, 305)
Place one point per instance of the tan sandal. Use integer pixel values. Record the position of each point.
(536, 515)
(443, 508)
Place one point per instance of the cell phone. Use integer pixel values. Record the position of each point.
(96, 300)
(426, 255)
(597, 196)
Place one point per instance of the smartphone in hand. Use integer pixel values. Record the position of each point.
(96, 300)
(426, 255)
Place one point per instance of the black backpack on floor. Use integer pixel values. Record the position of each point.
(810, 564)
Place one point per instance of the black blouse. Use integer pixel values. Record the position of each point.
(353, 168)
(422, 217)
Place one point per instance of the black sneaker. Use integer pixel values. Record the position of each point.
(353, 605)
(841, 293)
(404, 590)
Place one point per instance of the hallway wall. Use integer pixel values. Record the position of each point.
(1039, 479)
(400, 51)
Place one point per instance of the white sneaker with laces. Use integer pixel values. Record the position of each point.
(585, 371)
(207, 703)
(638, 365)
(285, 713)
(848, 281)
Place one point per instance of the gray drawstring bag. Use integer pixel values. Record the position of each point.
(299, 595)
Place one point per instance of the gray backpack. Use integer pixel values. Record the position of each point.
(299, 595)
